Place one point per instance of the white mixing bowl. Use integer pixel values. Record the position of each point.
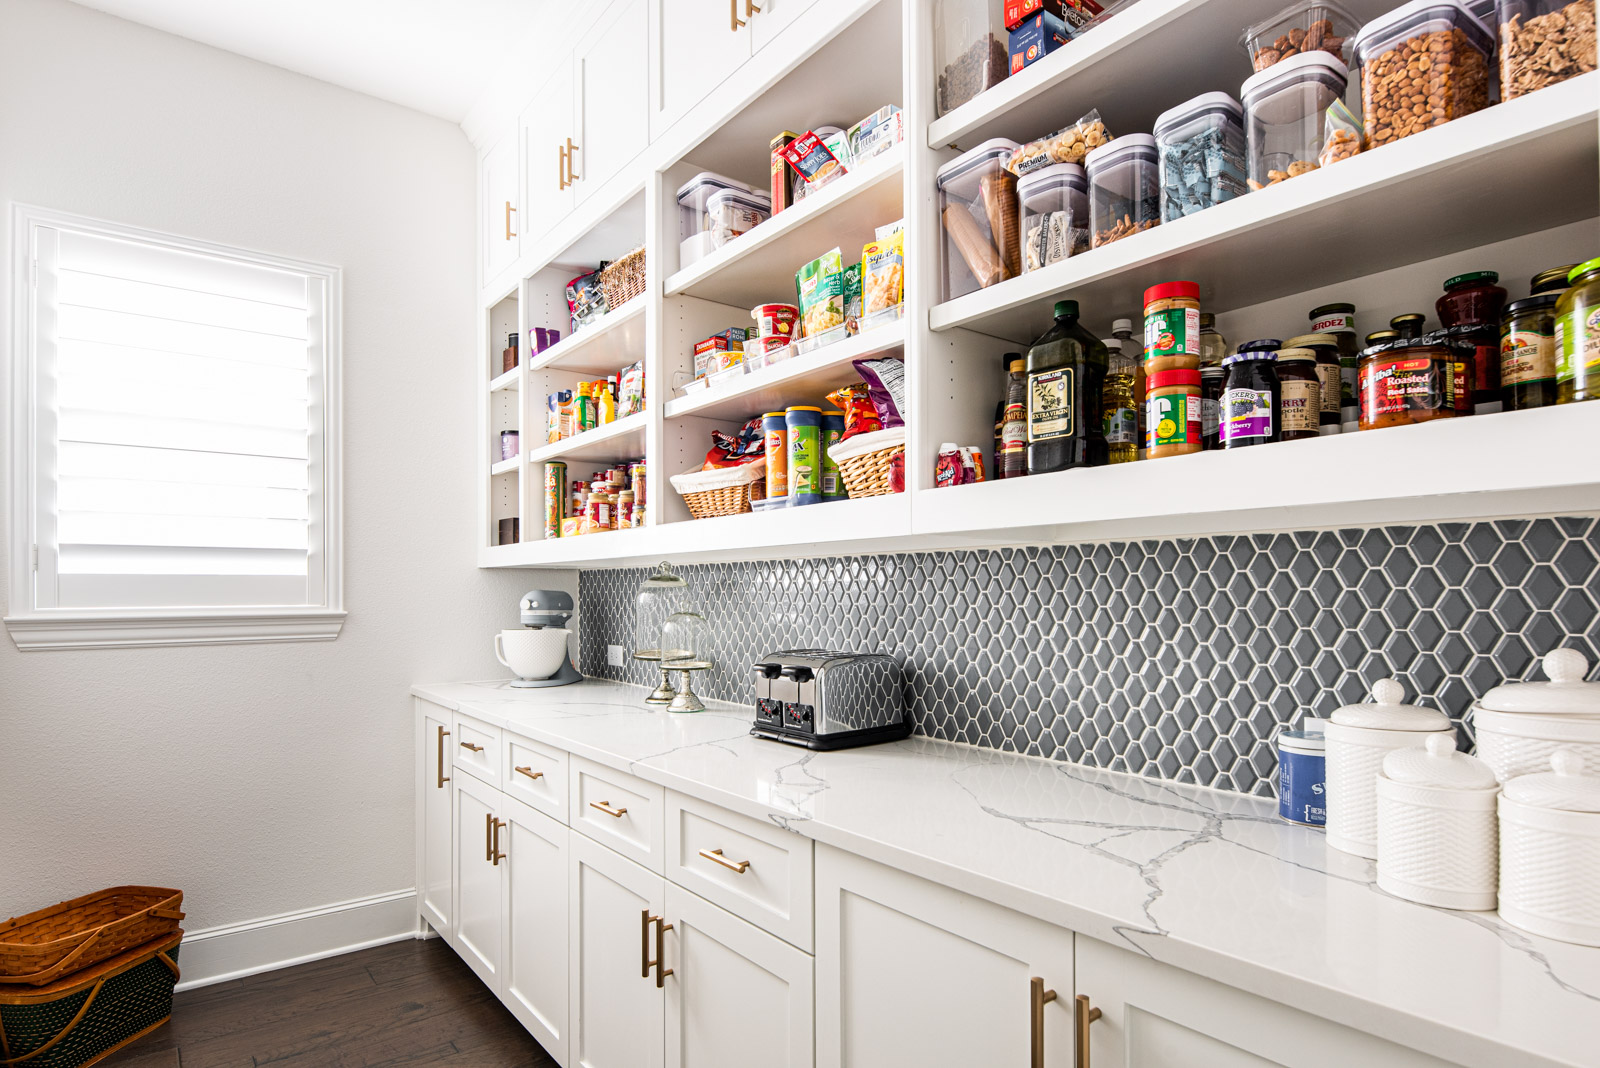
(532, 652)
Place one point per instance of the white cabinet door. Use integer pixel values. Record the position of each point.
(616, 1008)
(737, 996)
(696, 47)
(500, 221)
(910, 974)
(546, 124)
(477, 878)
(1154, 1015)
(534, 919)
(435, 817)
(612, 71)
(774, 17)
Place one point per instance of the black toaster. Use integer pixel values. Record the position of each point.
(830, 700)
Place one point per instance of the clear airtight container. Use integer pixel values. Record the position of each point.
(694, 224)
(969, 50)
(731, 212)
(1201, 145)
(978, 211)
(1284, 108)
(1055, 214)
(1124, 188)
(1422, 64)
(1304, 26)
(1542, 42)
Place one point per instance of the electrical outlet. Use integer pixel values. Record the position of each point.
(614, 655)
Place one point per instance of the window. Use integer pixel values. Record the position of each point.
(174, 446)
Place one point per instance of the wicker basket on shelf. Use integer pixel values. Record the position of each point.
(864, 461)
(725, 491)
(623, 279)
(51, 943)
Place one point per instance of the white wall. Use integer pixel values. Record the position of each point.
(259, 779)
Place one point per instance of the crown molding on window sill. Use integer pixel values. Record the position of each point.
(114, 629)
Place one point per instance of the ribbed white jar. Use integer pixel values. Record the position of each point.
(1438, 841)
(1358, 738)
(1520, 725)
(1550, 852)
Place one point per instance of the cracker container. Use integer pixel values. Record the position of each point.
(1438, 843)
(978, 211)
(1124, 188)
(970, 50)
(1542, 42)
(1055, 214)
(1284, 110)
(1359, 737)
(1422, 64)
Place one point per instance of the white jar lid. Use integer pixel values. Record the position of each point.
(1565, 694)
(1302, 741)
(1438, 764)
(1386, 713)
(1564, 787)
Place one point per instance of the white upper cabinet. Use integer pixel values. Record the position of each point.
(500, 222)
(772, 17)
(696, 45)
(546, 125)
(612, 72)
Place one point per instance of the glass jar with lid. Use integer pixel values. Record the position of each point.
(1213, 346)
(1552, 281)
(1124, 188)
(1528, 352)
(1212, 380)
(1250, 412)
(1339, 319)
(1578, 336)
(1409, 380)
(1300, 395)
(1409, 324)
(1470, 309)
(1284, 108)
(660, 596)
(1330, 377)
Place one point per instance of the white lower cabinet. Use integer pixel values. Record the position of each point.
(534, 918)
(616, 1006)
(910, 973)
(435, 815)
(477, 878)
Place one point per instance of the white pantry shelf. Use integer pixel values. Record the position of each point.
(798, 380)
(605, 347)
(512, 379)
(505, 467)
(623, 439)
(1518, 167)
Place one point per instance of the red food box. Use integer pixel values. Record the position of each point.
(1075, 13)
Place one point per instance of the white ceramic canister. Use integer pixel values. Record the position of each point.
(1437, 834)
(1358, 738)
(1550, 851)
(1519, 725)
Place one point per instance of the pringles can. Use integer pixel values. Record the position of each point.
(775, 439)
(555, 497)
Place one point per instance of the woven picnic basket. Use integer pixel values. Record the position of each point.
(725, 491)
(54, 942)
(623, 279)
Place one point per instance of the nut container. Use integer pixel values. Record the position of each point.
(1422, 64)
(1055, 214)
(1124, 188)
(981, 231)
(1543, 42)
(1283, 115)
(1307, 26)
(970, 50)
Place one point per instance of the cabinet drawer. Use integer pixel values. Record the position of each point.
(477, 749)
(757, 872)
(618, 810)
(536, 774)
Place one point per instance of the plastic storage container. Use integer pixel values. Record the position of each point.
(1055, 214)
(978, 209)
(1434, 50)
(731, 212)
(1359, 737)
(1124, 188)
(1308, 26)
(1437, 834)
(1550, 851)
(1519, 725)
(693, 220)
(970, 50)
(1283, 114)
(1201, 145)
(1542, 42)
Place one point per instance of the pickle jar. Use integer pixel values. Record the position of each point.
(1300, 395)
(1330, 377)
(1578, 336)
(1528, 353)
(1470, 309)
(1409, 380)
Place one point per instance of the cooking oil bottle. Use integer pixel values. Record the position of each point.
(1121, 413)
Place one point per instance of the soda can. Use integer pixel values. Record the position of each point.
(555, 497)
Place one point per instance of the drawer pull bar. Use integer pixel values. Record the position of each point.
(605, 806)
(529, 772)
(1038, 998)
(715, 856)
(474, 748)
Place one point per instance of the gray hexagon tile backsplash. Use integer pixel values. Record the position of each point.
(1174, 659)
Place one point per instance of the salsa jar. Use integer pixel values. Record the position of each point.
(1408, 380)
(1339, 319)
(1300, 395)
(1470, 309)
(1251, 406)
(1578, 336)
(1528, 353)
(1330, 377)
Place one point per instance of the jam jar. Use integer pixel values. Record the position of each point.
(1528, 352)
(1339, 319)
(1409, 380)
(1250, 411)
(1299, 395)
(1470, 310)
(1211, 383)
(1329, 376)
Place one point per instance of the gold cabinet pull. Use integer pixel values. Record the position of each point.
(750, 9)
(605, 806)
(474, 748)
(661, 973)
(509, 210)
(715, 856)
(734, 21)
(495, 856)
(572, 175)
(529, 772)
(1038, 998)
(488, 836)
(440, 775)
(645, 962)
(1082, 1017)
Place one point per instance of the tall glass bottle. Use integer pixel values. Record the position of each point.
(1121, 417)
(1000, 406)
(1014, 422)
(1066, 385)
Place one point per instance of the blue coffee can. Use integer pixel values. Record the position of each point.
(1301, 776)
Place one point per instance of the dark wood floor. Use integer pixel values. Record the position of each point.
(401, 1004)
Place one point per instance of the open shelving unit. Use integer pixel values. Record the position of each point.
(1514, 188)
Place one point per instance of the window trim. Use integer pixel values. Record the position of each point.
(32, 627)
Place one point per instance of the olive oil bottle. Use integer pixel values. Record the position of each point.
(1066, 371)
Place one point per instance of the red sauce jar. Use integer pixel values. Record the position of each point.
(1470, 310)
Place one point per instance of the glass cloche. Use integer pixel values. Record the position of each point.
(660, 596)
(686, 648)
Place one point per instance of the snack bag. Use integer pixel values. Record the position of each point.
(586, 300)
(821, 288)
(631, 398)
(885, 379)
(1341, 134)
(1070, 145)
(852, 298)
(860, 417)
(811, 160)
(883, 265)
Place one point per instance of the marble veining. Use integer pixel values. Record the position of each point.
(1201, 879)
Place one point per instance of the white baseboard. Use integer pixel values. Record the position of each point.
(218, 954)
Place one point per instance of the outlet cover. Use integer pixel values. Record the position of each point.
(614, 655)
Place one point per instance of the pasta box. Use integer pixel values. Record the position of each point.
(1036, 37)
(1075, 13)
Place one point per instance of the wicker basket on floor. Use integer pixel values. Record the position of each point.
(623, 279)
(84, 1018)
(726, 491)
(864, 461)
(46, 945)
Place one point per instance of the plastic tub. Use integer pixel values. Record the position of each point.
(1306, 26)
(775, 320)
(969, 50)
(764, 351)
(1540, 44)
(817, 341)
(1454, 47)
(1124, 188)
(1201, 145)
(1055, 214)
(731, 212)
(1283, 115)
(883, 316)
(978, 208)
(693, 197)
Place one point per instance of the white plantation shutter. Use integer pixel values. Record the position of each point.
(179, 430)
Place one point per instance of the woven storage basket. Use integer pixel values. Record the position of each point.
(51, 943)
(727, 491)
(623, 279)
(865, 459)
(84, 1018)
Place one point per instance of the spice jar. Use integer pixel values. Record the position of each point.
(1552, 281)
(1578, 336)
(1528, 353)
(1471, 309)
(1284, 108)
(1433, 49)
(1249, 412)
(1330, 377)
(1543, 42)
(1174, 418)
(1213, 346)
(1172, 327)
(978, 206)
(1124, 188)
(1408, 380)
(1211, 382)
(1409, 325)
(1340, 321)
(1300, 395)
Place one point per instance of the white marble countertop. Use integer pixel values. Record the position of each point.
(1209, 881)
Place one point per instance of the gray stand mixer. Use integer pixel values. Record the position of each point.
(548, 608)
